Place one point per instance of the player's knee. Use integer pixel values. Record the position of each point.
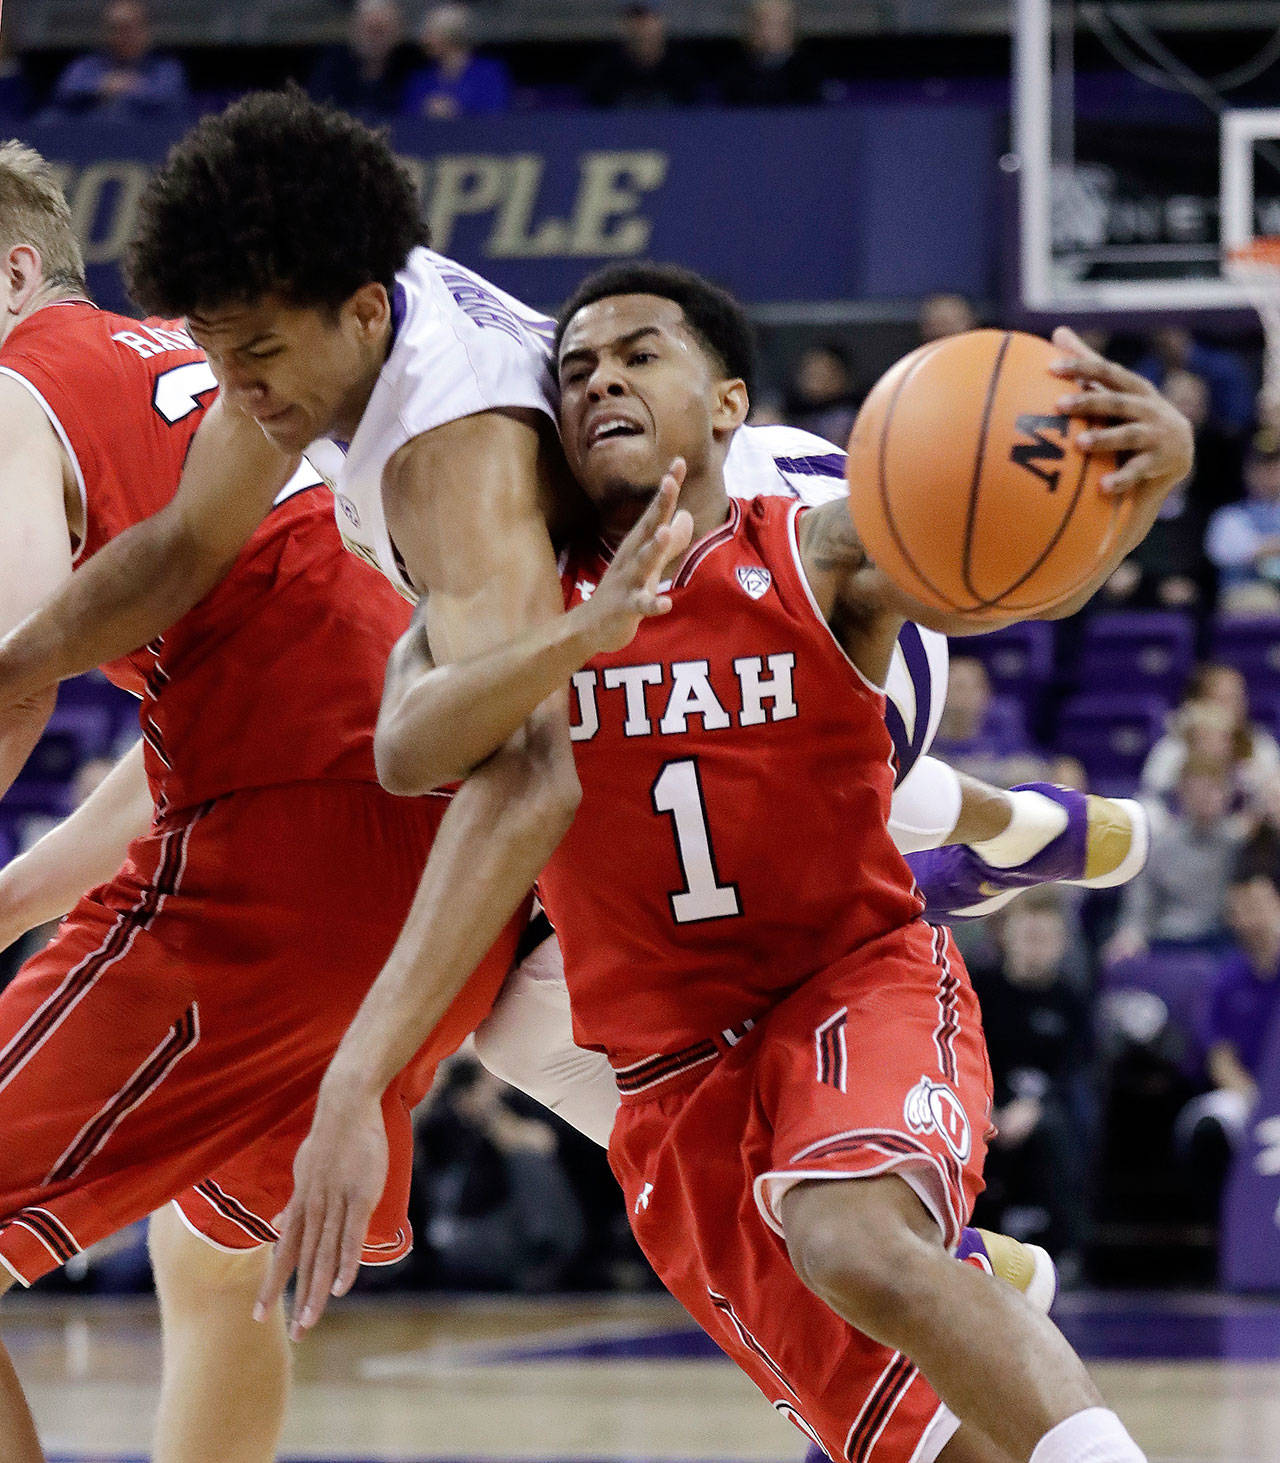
(856, 1253)
(188, 1267)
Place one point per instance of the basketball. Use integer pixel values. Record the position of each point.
(966, 485)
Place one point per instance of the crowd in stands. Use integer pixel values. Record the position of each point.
(399, 60)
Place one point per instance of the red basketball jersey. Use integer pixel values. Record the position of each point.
(736, 772)
(275, 676)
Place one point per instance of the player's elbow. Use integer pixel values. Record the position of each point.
(407, 765)
(549, 788)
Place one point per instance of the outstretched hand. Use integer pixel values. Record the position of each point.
(338, 1178)
(628, 593)
(1150, 435)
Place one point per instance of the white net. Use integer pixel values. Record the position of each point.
(1255, 267)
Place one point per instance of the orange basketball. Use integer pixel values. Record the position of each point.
(966, 485)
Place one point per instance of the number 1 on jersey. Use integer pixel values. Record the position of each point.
(677, 791)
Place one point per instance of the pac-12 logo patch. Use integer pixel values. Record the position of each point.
(754, 580)
(933, 1107)
(348, 509)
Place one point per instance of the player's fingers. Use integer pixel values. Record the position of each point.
(1131, 437)
(351, 1252)
(1087, 365)
(681, 531)
(1094, 404)
(324, 1267)
(312, 1228)
(1140, 469)
(284, 1256)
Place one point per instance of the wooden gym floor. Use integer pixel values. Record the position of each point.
(1197, 1379)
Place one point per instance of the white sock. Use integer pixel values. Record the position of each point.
(1036, 822)
(1095, 1435)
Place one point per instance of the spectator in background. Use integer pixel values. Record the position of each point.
(772, 69)
(643, 69)
(821, 396)
(455, 82)
(1168, 569)
(15, 96)
(944, 314)
(1243, 539)
(978, 732)
(1242, 1012)
(1035, 1012)
(1213, 725)
(1179, 898)
(368, 72)
(1231, 394)
(501, 1215)
(127, 80)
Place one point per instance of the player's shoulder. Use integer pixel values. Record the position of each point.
(462, 346)
(784, 460)
(439, 297)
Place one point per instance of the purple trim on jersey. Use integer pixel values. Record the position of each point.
(909, 750)
(399, 309)
(830, 465)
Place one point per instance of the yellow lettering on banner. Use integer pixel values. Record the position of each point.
(467, 184)
(103, 245)
(511, 238)
(611, 186)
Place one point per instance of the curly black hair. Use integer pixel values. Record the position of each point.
(714, 316)
(275, 195)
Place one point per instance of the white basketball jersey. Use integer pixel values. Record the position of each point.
(787, 460)
(461, 346)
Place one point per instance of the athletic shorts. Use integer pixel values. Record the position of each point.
(168, 1044)
(875, 1066)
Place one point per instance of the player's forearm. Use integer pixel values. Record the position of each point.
(438, 724)
(21, 727)
(132, 590)
(500, 829)
(84, 850)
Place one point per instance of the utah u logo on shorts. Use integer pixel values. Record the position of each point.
(933, 1107)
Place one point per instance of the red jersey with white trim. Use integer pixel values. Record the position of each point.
(275, 676)
(736, 774)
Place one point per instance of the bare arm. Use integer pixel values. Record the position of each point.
(439, 722)
(84, 850)
(35, 552)
(463, 506)
(135, 587)
(1227, 1071)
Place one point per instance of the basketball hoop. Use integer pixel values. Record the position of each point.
(1255, 267)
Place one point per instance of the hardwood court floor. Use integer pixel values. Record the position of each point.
(1196, 1378)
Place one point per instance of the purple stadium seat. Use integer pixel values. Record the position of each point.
(91, 727)
(1137, 650)
(1253, 646)
(1111, 735)
(93, 689)
(1018, 658)
(1183, 979)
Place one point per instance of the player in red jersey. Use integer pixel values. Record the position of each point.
(806, 1095)
(169, 1043)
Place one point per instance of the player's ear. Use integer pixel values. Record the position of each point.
(732, 405)
(369, 308)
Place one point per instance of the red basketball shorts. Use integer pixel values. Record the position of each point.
(169, 1042)
(875, 1066)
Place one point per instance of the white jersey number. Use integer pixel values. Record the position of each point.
(177, 392)
(678, 792)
